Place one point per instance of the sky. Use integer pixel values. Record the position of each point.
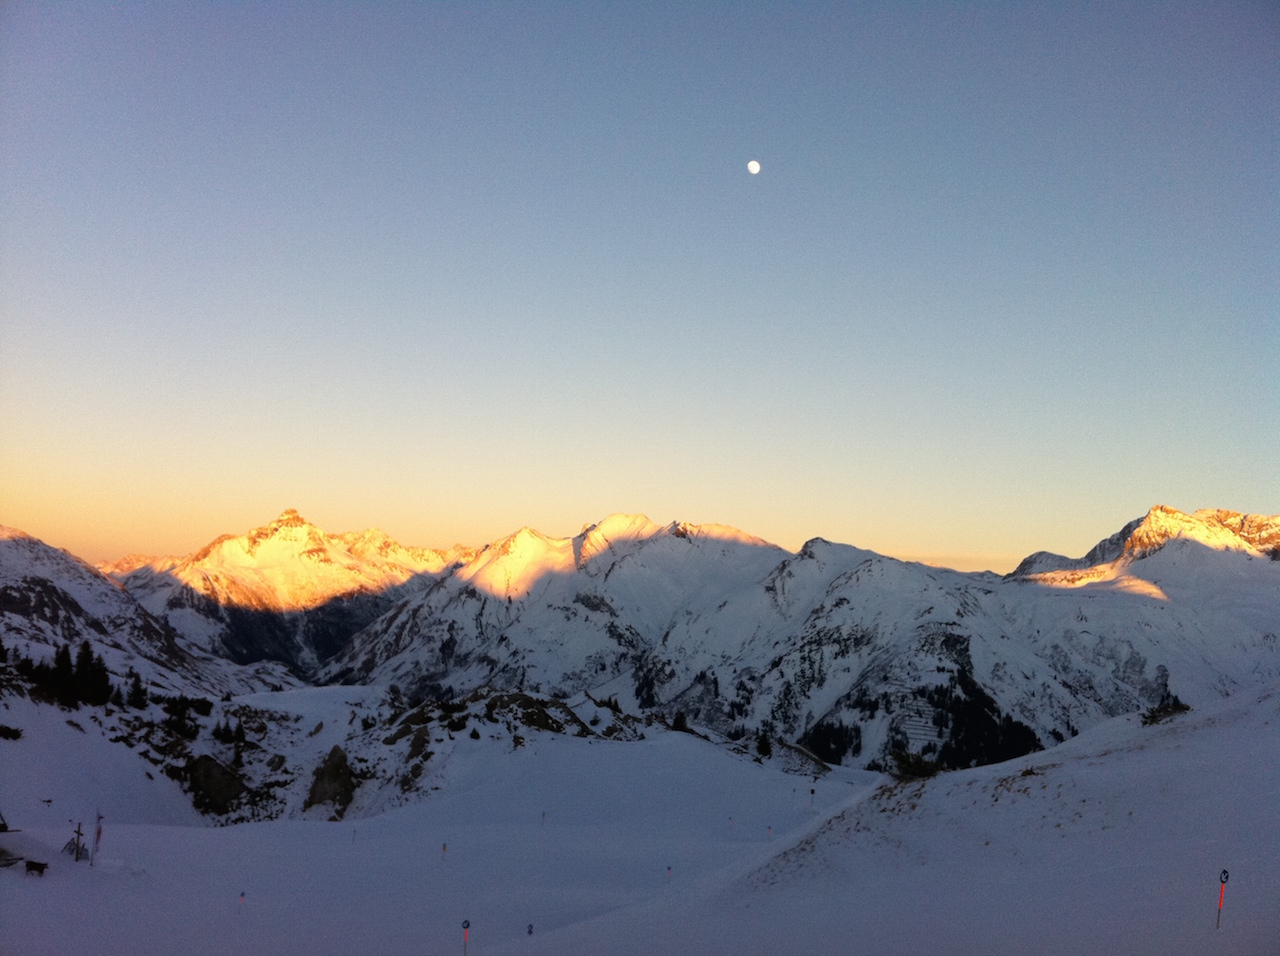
(1008, 277)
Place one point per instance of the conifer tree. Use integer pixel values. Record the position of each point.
(62, 680)
(83, 670)
(764, 747)
(137, 698)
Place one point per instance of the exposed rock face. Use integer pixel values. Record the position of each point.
(333, 783)
(214, 788)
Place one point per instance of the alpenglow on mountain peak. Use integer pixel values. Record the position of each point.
(1162, 525)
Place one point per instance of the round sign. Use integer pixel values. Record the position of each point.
(466, 924)
(1224, 876)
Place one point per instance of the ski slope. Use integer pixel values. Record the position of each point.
(1109, 843)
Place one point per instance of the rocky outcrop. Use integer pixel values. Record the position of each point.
(333, 783)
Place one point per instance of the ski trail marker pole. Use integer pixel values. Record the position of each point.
(1221, 893)
(466, 928)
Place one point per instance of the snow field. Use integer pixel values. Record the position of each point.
(1109, 843)
(617, 815)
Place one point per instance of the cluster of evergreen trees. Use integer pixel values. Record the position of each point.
(85, 680)
(223, 733)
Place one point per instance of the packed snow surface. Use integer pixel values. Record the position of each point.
(1110, 843)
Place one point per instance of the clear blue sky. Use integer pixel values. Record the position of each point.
(1009, 276)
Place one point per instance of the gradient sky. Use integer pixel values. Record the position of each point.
(1009, 277)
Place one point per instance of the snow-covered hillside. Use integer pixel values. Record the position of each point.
(1113, 842)
(287, 591)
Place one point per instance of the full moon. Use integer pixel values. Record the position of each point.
(753, 167)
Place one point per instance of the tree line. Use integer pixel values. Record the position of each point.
(84, 680)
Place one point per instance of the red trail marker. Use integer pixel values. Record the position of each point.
(1221, 893)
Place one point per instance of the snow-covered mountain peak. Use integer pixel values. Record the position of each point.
(326, 585)
(132, 562)
(374, 544)
(623, 527)
(1213, 528)
(290, 564)
(289, 518)
(20, 538)
(513, 565)
(1216, 529)
(289, 529)
(598, 538)
(722, 532)
(371, 542)
(21, 555)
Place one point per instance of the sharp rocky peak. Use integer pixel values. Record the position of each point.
(1217, 528)
(1212, 527)
(289, 518)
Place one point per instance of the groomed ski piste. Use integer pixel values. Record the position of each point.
(1113, 842)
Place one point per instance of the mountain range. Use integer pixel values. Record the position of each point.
(854, 657)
